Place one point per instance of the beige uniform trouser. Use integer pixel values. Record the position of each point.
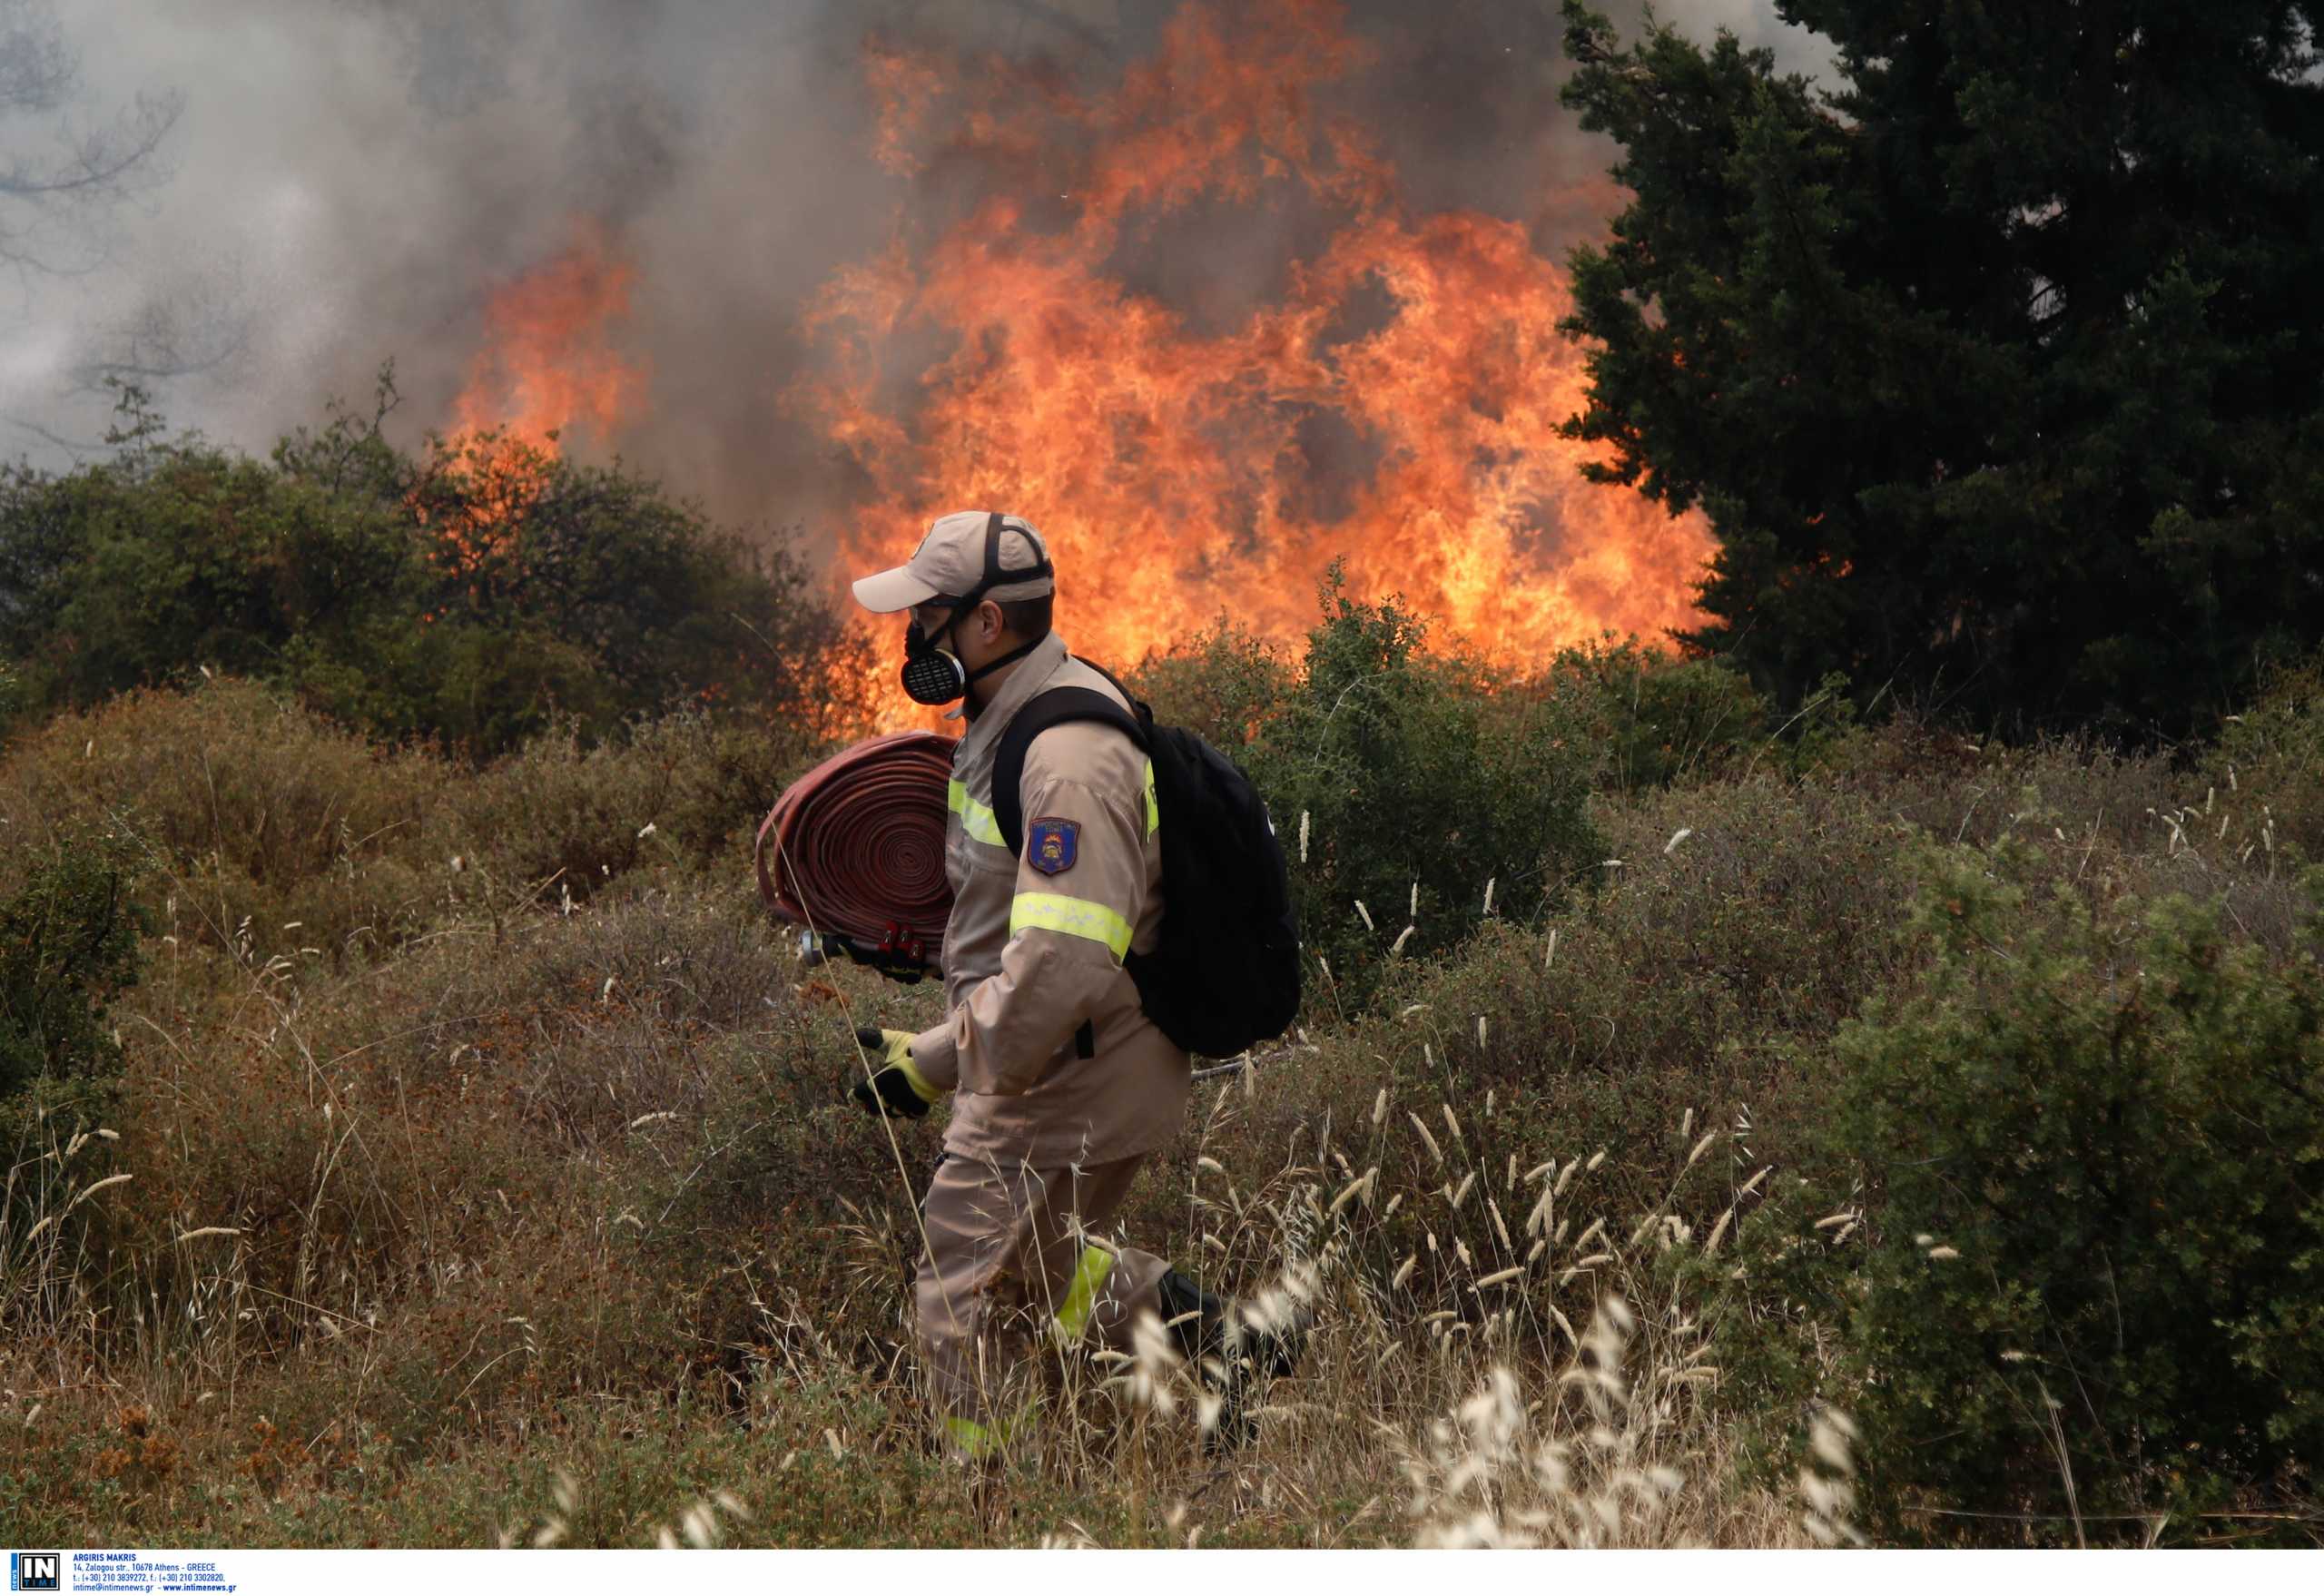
(1017, 1255)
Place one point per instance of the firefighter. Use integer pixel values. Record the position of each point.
(1060, 1084)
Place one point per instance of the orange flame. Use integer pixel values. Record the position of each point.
(545, 363)
(1398, 404)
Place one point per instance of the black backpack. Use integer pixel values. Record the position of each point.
(1225, 972)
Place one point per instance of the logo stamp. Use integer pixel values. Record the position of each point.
(36, 1571)
(1052, 844)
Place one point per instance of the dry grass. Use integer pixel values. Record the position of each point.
(545, 1221)
(399, 1237)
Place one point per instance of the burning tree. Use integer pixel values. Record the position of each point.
(328, 568)
(1396, 403)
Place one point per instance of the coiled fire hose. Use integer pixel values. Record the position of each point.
(855, 849)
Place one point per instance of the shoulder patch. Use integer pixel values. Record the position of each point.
(1052, 844)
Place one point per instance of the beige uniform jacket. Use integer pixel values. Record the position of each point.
(1034, 949)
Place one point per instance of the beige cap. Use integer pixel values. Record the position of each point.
(950, 562)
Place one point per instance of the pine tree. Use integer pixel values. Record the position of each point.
(1999, 367)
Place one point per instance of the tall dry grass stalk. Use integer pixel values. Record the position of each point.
(54, 1187)
(1446, 1398)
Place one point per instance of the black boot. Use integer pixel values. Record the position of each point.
(1228, 1356)
(1196, 1322)
(1196, 1319)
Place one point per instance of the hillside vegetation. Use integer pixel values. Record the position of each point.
(1863, 1131)
(1859, 1080)
(469, 593)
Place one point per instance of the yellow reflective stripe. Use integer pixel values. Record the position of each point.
(974, 1439)
(978, 820)
(1081, 1298)
(1153, 809)
(1075, 917)
(981, 1440)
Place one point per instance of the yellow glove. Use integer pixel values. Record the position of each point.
(895, 1087)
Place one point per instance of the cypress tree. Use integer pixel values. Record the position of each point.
(1997, 361)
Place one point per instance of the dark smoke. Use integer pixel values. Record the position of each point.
(350, 178)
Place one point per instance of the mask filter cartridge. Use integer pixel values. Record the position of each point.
(932, 676)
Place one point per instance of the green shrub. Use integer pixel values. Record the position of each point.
(1400, 780)
(1651, 719)
(466, 595)
(68, 947)
(1224, 683)
(2093, 1148)
(1708, 974)
(2273, 754)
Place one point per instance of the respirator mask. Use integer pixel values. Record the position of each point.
(933, 674)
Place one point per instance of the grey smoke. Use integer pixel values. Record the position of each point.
(348, 179)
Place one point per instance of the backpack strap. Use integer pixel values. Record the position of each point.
(1054, 707)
